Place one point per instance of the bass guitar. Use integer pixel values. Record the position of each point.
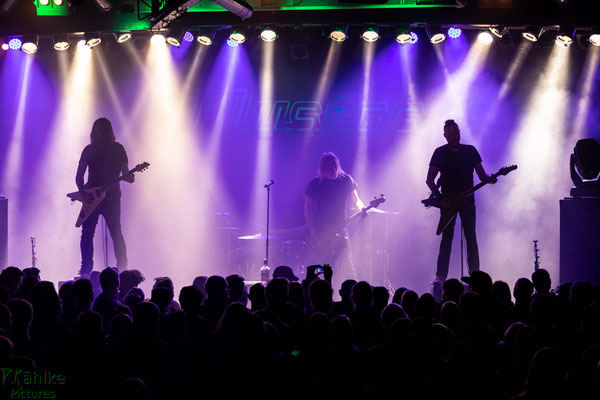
(97, 194)
(449, 206)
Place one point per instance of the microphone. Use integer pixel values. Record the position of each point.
(269, 184)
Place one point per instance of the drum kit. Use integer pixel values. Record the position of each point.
(291, 247)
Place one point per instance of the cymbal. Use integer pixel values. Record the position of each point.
(257, 236)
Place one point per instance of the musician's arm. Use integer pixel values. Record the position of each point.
(127, 177)
(79, 176)
(431, 174)
(308, 216)
(356, 201)
(483, 177)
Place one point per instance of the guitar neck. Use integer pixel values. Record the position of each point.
(472, 190)
(356, 214)
(122, 177)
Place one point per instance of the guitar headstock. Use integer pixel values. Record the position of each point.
(377, 200)
(506, 170)
(140, 167)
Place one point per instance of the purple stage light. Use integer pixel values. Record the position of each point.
(188, 37)
(231, 43)
(454, 33)
(414, 38)
(15, 44)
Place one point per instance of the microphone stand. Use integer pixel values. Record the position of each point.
(265, 270)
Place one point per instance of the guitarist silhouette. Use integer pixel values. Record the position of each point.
(107, 160)
(325, 208)
(455, 162)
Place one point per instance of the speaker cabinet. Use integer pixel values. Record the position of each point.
(580, 239)
(3, 232)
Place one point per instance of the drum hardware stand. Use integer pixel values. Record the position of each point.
(33, 257)
(105, 242)
(265, 270)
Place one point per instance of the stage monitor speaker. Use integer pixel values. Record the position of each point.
(3, 232)
(580, 239)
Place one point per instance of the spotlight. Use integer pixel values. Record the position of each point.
(585, 167)
(104, 5)
(30, 44)
(237, 37)
(175, 37)
(565, 36)
(15, 44)
(403, 35)
(435, 34)
(414, 38)
(595, 39)
(231, 43)
(485, 38)
(268, 35)
(499, 30)
(5, 46)
(206, 38)
(237, 7)
(44, 2)
(532, 33)
(58, 2)
(122, 37)
(370, 33)
(158, 39)
(92, 39)
(339, 34)
(587, 158)
(454, 33)
(61, 42)
(188, 36)
(82, 44)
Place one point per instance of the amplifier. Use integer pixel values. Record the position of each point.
(3, 232)
(580, 239)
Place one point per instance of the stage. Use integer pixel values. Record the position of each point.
(217, 122)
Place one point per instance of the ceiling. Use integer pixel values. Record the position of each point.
(135, 15)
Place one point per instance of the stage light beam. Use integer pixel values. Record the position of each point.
(370, 34)
(122, 37)
(61, 42)
(15, 44)
(339, 34)
(565, 36)
(532, 33)
(435, 34)
(454, 33)
(206, 38)
(268, 35)
(30, 44)
(485, 38)
(403, 34)
(158, 40)
(237, 36)
(92, 39)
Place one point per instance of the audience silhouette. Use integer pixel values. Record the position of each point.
(291, 337)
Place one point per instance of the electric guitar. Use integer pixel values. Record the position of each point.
(330, 236)
(97, 194)
(449, 206)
